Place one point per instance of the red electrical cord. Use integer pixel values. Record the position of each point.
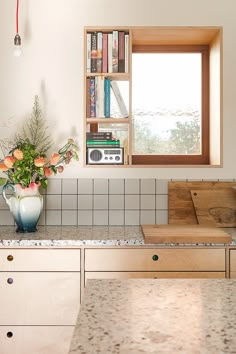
(17, 8)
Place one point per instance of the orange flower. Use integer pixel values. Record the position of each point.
(39, 162)
(18, 154)
(54, 159)
(47, 171)
(3, 167)
(9, 161)
(60, 169)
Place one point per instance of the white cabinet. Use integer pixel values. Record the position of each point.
(232, 266)
(40, 299)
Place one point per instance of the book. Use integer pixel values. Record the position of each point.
(107, 97)
(92, 98)
(115, 51)
(121, 51)
(119, 98)
(88, 98)
(88, 53)
(99, 52)
(99, 95)
(105, 53)
(103, 142)
(99, 136)
(94, 52)
(126, 53)
(109, 52)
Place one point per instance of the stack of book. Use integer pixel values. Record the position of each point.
(107, 52)
(101, 139)
(99, 98)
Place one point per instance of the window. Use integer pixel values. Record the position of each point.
(170, 104)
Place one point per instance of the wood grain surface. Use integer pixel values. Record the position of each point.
(180, 204)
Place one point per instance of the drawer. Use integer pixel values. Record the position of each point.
(12, 259)
(35, 298)
(232, 267)
(181, 259)
(33, 340)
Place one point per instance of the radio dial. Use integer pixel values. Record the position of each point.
(95, 155)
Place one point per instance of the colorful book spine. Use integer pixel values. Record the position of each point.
(105, 53)
(94, 52)
(107, 97)
(92, 98)
(99, 52)
(121, 51)
(100, 142)
(99, 94)
(126, 53)
(88, 98)
(115, 51)
(88, 56)
(99, 136)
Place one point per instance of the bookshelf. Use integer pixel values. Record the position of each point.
(107, 98)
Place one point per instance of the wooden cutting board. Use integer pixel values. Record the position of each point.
(180, 205)
(216, 207)
(184, 234)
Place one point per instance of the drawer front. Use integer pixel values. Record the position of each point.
(51, 298)
(33, 340)
(155, 275)
(155, 259)
(232, 267)
(39, 259)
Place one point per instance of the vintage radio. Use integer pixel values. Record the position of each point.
(105, 156)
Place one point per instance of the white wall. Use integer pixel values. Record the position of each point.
(52, 67)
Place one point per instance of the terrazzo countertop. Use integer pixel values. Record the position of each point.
(187, 316)
(66, 236)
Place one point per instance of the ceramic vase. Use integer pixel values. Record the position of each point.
(25, 204)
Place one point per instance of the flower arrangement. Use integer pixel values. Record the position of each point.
(27, 161)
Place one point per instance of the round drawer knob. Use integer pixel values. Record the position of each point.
(10, 258)
(155, 257)
(10, 280)
(9, 334)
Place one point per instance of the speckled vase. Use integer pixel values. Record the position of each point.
(25, 204)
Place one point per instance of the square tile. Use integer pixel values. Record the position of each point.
(132, 201)
(148, 217)
(162, 186)
(69, 217)
(116, 186)
(85, 202)
(161, 216)
(54, 186)
(116, 201)
(3, 204)
(100, 202)
(100, 186)
(53, 217)
(132, 186)
(100, 217)
(85, 186)
(42, 219)
(6, 218)
(69, 201)
(53, 201)
(147, 201)
(69, 186)
(85, 217)
(148, 186)
(116, 217)
(162, 202)
(132, 217)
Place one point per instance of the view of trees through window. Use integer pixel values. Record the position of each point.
(166, 103)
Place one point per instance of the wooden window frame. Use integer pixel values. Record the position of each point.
(204, 157)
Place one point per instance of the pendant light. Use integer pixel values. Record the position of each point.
(17, 39)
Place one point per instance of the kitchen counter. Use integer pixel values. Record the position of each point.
(157, 316)
(69, 236)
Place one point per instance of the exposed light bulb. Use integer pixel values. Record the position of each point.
(17, 46)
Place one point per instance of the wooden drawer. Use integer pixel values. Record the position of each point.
(35, 298)
(232, 267)
(181, 259)
(35, 340)
(12, 259)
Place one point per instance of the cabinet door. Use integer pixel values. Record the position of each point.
(232, 268)
(39, 259)
(35, 340)
(168, 259)
(155, 275)
(37, 298)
